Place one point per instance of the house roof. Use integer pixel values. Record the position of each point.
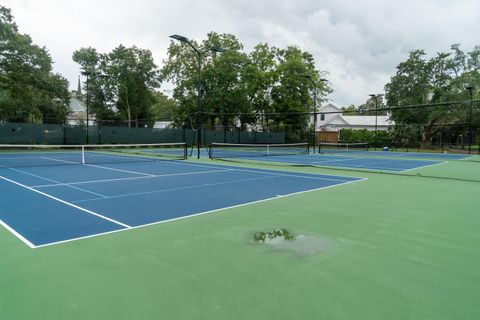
(328, 108)
(76, 105)
(368, 120)
(336, 120)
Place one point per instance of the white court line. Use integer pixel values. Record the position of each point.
(198, 214)
(65, 202)
(306, 176)
(379, 167)
(130, 178)
(360, 166)
(58, 182)
(175, 189)
(120, 170)
(430, 165)
(16, 234)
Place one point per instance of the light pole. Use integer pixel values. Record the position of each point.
(87, 74)
(375, 97)
(470, 132)
(315, 88)
(200, 54)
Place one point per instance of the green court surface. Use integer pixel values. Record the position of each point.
(401, 247)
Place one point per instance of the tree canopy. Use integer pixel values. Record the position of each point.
(29, 90)
(442, 78)
(242, 88)
(119, 84)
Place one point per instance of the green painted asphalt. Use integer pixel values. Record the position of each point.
(401, 248)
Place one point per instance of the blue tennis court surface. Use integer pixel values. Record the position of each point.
(350, 161)
(398, 154)
(53, 204)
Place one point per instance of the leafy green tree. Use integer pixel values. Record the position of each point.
(221, 78)
(99, 86)
(121, 83)
(164, 108)
(442, 78)
(260, 76)
(291, 93)
(29, 90)
(241, 88)
(135, 75)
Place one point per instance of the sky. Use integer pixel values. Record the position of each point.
(359, 43)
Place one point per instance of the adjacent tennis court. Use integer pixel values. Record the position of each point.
(59, 194)
(300, 154)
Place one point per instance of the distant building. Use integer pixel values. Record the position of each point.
(330, 121)
(78, 107)
(162, 124)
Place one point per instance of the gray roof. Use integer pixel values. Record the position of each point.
(76, 105)
(368, 120)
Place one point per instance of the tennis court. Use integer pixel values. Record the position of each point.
(396, 243)
(298, 154)
(49, 198)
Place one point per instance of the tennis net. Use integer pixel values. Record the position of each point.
(327, 147)
(236, 150)
(54, 155)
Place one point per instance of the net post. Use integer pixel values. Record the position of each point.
(83, 154)
(268, 150)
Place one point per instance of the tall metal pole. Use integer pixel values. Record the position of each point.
(315, 119)
(470, 131)
(199, 103)
(88, 103)
(374, 96)
(199, 84)
(315, 88)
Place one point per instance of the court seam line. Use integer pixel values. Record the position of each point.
(16, 234)
(198, 214)
(130, 178)
(173, 189)
(66, 202)
(47, 179)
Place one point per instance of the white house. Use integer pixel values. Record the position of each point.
(162, 124)
(330, 120)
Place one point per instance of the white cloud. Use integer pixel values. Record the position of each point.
(358, 42)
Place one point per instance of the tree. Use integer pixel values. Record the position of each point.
(164, 108)
(260, 76)
(29, 90)
(121, 83)
(223, 88)
(291, 93)
(135, 75)
(442, 78)
(241, 88)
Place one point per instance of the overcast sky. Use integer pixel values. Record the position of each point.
(359, 43)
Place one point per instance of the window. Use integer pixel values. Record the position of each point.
(322, 117)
